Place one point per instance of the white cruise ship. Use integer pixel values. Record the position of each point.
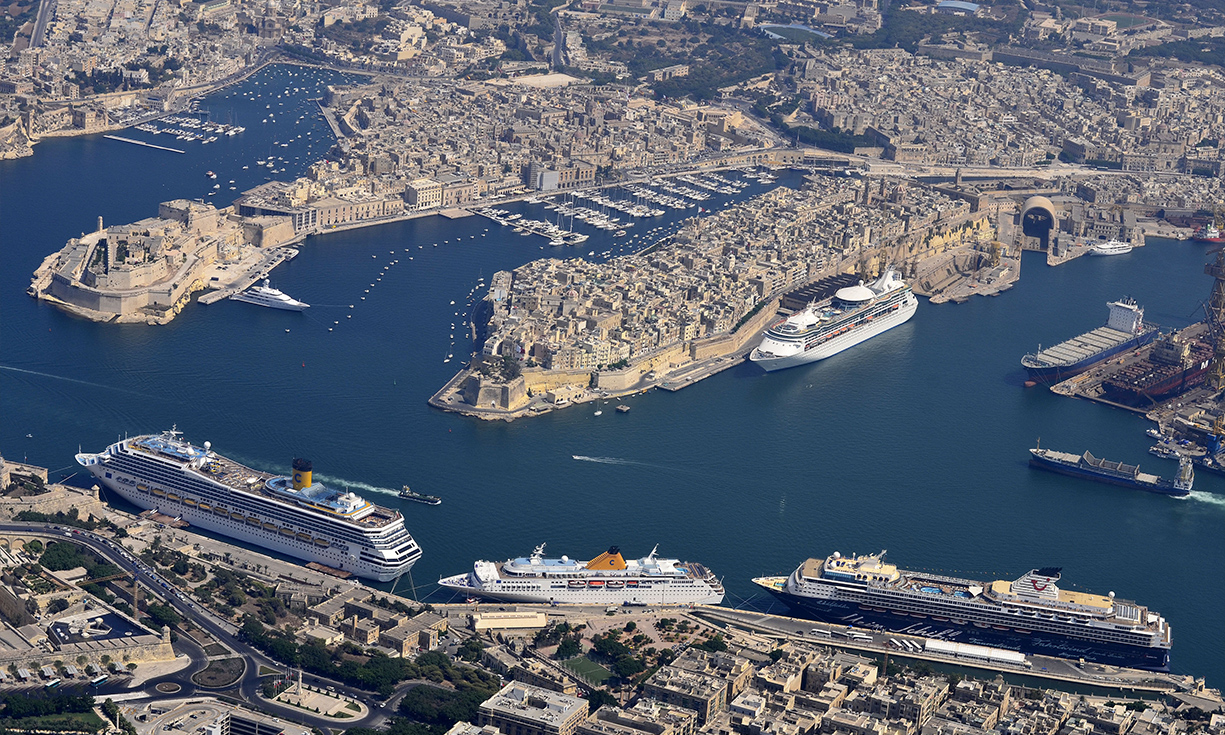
(292, 515)
(607, 579)
(266, 295)
(1111, 247)
(854, 314)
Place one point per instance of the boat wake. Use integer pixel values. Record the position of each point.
(351, 485)
(1211, 499)
(70, 380)
(609, 460)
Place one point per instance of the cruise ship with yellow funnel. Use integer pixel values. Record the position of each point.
(293, 515)
(1030, 614)
(608, 579)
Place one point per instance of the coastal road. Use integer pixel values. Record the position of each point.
(225, 632)
(46, 11)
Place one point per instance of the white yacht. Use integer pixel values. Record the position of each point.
(821, 330)
(608, 579)
(290, 515)
(1111, 247)
(266, 295)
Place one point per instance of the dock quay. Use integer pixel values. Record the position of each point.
(258, 271)
(1095, 383)
(1049, 669)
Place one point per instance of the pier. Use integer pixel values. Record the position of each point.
(141, 142)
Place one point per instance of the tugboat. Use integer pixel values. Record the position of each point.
(413, 495)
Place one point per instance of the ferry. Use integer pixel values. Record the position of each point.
(290, 515)
(608, 579)
(854, 314)
(1030, 614)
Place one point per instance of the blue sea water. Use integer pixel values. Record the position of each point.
(915, 441)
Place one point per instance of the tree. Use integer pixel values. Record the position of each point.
(598, 698)
(163, 615)
(628, 666)
(57, 605)
(34, 547)
(568, 648)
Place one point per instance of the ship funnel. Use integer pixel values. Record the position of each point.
(301, 473)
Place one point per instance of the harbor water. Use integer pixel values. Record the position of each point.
(915, 441)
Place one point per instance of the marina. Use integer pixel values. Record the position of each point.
(955, 368)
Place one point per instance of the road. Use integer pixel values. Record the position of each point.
(46, 10)
(224, 631)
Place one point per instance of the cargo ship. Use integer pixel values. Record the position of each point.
(1124, 330)
(1114, 473)
(1031, 614)
(1174, 366)
(608, 579)
(291, 515)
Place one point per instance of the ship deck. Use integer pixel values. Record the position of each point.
(1079, 348)
(240, 477)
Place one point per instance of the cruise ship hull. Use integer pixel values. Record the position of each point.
(840, 343)
(843, 612)
(177, 490)
(1056, 373)
(243, 530)
(546, 593)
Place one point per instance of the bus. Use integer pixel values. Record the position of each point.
(53, 683)
(99, 680)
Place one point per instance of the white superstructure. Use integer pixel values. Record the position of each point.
(266, 295)
(608, 579)
(292, 515)
(1111, 247)
(854, 314)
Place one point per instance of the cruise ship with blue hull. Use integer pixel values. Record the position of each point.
(1030, 615)
(1124, 330)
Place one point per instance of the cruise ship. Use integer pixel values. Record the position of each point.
(607, 579)
(266, 295)
(821, 330)
(293, 515)
(1030, 614)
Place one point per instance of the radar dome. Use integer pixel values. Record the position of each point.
(565, 558)
(837, 555)
(208, 446)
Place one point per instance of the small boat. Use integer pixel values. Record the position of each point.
(415, 496)
(623, 408)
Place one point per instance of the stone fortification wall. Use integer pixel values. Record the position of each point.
(57, 499)
(539, 380)
(726, 344)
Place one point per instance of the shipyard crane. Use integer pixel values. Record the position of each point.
(1216, 319)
